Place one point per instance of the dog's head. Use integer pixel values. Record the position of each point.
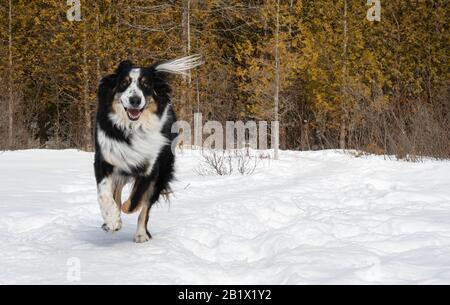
(133, 90)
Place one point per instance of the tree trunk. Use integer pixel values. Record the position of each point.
(343, 127)
(342, 134)
(10, 82)
(98, 72)
(87, 141)
(185, 110)
(276, 132)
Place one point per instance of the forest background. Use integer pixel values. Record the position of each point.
(334, 78)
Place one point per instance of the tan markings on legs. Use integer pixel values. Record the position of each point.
(142, 234)
(118, 193)
(127, 204)
(145, 197)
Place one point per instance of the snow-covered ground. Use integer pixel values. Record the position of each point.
(312, 217)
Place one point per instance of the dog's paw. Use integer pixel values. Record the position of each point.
(113, 226)
(142, 238)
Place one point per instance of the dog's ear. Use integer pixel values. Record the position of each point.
(106, 87)
(180, 65)
(124, 65)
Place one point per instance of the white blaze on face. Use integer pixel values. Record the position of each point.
(133, 90)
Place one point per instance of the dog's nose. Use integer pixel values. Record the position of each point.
(135, 101)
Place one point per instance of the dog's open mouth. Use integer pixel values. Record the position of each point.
(134, 114)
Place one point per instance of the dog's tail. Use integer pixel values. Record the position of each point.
(180, 65)
(166, 193)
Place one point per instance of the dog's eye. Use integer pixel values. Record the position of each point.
(123, 84)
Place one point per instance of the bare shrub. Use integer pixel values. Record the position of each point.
(227, 162)
(214, 163)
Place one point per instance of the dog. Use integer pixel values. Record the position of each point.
(133, 139)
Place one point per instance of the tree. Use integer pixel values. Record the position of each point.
(10, 77)
(335, 79)
(276, 130)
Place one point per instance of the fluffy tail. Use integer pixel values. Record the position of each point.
(180, 65)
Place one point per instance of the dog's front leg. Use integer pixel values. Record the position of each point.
(108, 206)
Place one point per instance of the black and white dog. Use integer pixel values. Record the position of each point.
(133, 139)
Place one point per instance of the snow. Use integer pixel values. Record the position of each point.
(324, 217)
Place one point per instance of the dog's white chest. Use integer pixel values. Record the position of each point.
(142, 150)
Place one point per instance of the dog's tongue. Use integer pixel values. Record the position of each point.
(134, 112)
